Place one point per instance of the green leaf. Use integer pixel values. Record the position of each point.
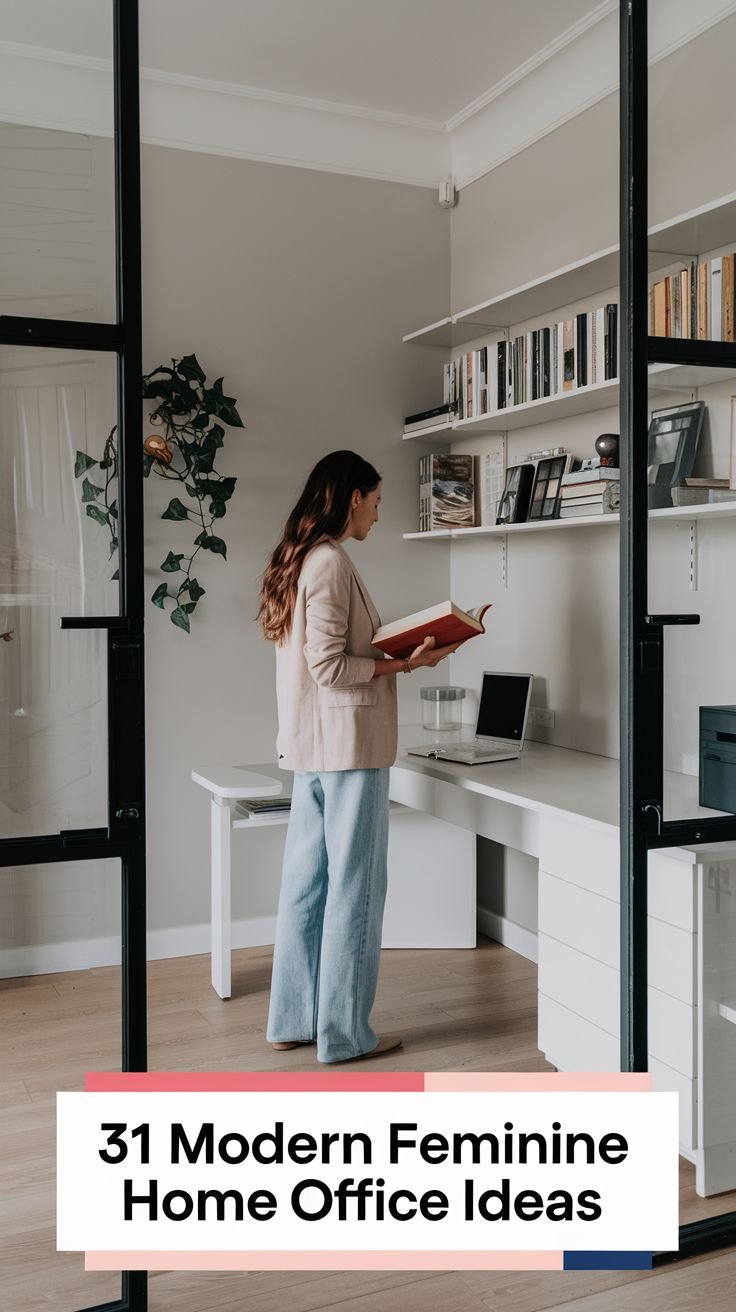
(223, 489)
(204, 460)
(218, 509)
(218, 546)
(228, 412)
(194, 491)
(147, 465)
(90, 491)
(113, 508)
(194, 590)
(175, 510)
(82, 462)
(180, 618)
(113, 547)
(216, 436)
(189, 367)
(97, 515)
(159, 596)
(114, 577)
(172, 564)
(188, 606)
(209, 542)
(200, 421)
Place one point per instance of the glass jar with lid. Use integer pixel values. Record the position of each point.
(441, 708)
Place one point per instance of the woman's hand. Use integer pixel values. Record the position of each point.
(427, 655)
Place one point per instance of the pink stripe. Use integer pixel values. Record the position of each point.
(309, 1261)
(252, 1082)
(538, 1082)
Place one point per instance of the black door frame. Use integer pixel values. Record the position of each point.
(124, 838)
(643, 824)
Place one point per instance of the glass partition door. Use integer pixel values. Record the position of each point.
(72, 782)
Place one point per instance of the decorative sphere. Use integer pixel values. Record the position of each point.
(158, 448)
(607, 447)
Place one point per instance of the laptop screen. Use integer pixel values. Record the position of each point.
(503, 703)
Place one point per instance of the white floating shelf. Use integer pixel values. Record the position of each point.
(582, 400)
(690, 234)
(715, 510)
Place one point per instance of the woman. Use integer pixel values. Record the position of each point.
(336, 698)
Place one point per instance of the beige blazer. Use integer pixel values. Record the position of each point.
(333, 715)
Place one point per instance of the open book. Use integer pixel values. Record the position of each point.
(446, 622)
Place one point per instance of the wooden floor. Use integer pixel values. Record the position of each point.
(455, 1010)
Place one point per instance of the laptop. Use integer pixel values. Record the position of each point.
(503, 711)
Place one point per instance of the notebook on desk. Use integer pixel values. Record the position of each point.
(503, 711)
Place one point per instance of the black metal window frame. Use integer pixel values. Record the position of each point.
(643, 826)
(124, 836)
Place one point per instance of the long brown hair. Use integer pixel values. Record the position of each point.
(322, 510)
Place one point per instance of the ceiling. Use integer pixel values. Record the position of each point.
(426, 59)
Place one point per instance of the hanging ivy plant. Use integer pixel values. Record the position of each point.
(188, 411)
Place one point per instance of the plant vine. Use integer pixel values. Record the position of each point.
(187, 410)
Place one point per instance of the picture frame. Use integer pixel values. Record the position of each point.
(516, 495)
(547, 489)
(672, 443)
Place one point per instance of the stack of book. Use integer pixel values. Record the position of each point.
(446, 492)
(703, 491)
(576, 352)
(591, 492)
(695, 302)
(439, 417)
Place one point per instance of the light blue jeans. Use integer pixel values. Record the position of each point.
(328, 932)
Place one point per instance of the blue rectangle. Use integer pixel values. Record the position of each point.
(607, 1262)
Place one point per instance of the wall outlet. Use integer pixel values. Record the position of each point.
(543, 718)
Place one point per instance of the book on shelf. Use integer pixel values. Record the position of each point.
(446, 491)
(603, 473)
(439, 417)
(695, 302)
(535, 365)
(701, 496)
(490, 473)
(576, 511)
(445, 622)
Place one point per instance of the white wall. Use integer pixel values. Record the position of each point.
(555, 203)
(296, 285)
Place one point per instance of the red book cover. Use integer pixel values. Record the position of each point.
(446, 623)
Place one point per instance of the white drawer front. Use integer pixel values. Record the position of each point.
(591, 989)
(563, 1036)
(590, 859)
(587, 857)
(590, 923)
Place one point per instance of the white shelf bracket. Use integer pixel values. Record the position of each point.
(693, 555)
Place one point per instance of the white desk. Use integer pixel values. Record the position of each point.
(561, 807)
(424, 909)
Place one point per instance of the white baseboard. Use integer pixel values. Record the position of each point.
(516, 937)
(191, 940)
(88, 953)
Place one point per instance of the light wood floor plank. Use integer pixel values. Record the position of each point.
(456, 1011)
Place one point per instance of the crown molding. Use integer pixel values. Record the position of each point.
(579, 73)
(49, 88)
(45, 88)
(547, 52)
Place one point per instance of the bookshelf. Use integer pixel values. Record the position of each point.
(707, 511)
(681, 238)
(687, 236)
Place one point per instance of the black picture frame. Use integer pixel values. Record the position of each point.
(672, 444)
(547, 489)
(514, 504)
